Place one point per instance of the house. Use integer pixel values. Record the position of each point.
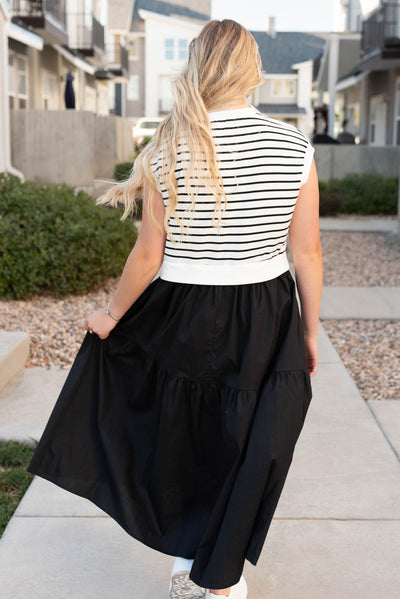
(46, 40)
(287, 62)
(159, 39)
(160, 34)
(119, 46)
(5, 146)
(370, 87)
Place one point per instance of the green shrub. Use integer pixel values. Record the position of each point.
(56, 240)
(366, 194)
(122, 170)
(330, 203)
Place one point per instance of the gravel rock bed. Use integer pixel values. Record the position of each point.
(55, 326)
(370, 350)
(361, 259)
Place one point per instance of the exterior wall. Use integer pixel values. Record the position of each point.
(4, 139)
(136, 108)
(159, 70)
(266, 95)
(334, 161)
(72, 147)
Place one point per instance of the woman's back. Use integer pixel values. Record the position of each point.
(263, 163)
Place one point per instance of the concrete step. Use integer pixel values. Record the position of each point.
(14, 350)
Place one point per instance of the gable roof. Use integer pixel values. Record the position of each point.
(279, 54)
(196, 9)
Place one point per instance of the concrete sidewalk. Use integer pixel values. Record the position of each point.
(359, 224)
(381, 303)
(335, 533)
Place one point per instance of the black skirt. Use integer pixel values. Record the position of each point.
(181, 424)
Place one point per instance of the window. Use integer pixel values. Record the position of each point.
(132, 45)
(396, 139)
(289, 87)
(277, 87)
(183, 47)
(169, 48)
(49, 91)
(17, 80)
(133, 88)
(283, 87)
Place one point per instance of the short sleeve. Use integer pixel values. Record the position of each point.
(307, 163)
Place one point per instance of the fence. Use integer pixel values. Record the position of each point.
(65, 146)
(336, 161)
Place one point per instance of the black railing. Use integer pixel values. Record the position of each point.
(39, 8)
(382, 28)
(85, 33)
(117, 55)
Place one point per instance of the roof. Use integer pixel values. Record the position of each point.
(193, 9)
(281, 109)
(279, 53)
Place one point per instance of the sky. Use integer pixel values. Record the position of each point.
(290, 15)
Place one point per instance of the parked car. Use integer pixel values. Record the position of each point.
(145, 127)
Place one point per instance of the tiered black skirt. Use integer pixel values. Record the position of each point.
(181, 424)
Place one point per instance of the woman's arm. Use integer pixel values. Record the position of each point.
(140, 268)
(306, 249)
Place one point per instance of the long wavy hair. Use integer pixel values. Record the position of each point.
(223, 66)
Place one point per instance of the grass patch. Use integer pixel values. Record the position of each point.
(14, 478)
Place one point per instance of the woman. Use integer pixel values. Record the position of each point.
(183, 406)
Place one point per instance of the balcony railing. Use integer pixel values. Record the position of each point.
(117, 59)
(86, 34)
(47, 17)
(39, 8)
(382, 29)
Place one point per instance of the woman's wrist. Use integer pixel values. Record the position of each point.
(114, 313)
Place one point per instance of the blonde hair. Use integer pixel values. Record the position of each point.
(223, 65)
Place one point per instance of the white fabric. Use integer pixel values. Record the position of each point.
(263, 163)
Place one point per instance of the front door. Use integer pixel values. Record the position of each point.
(377, 134)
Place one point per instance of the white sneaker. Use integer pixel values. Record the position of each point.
(180, 585)
(238, 591)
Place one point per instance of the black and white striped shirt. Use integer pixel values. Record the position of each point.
(263, 163)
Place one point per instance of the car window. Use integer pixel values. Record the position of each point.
(149, 125)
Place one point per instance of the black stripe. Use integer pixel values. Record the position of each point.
(234, 234)
(246, 209)
(263, 215)
(252, 175)
(254, 149)
(233, 192)
(184, 200)
(214, 242)
(222, 169)
(277, 222)
(231, 257)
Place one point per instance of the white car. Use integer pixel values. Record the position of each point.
(145, 127)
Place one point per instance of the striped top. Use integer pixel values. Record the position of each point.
(263, 163)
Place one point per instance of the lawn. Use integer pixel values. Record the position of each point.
(14, 479)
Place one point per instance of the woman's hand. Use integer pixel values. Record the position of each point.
(100, 323)
(311, 353)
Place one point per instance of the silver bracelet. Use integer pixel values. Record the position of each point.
(109, 313)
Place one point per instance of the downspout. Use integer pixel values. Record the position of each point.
(4, 106)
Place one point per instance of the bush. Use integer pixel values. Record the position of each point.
(122, 170)
(56, 240)
(330, 204)
(364, 194)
